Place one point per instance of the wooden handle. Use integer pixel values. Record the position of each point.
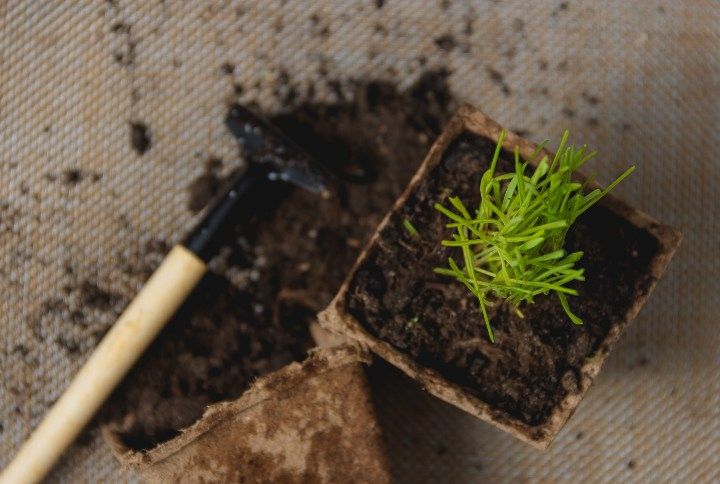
(138, 325)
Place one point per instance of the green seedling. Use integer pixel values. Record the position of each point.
(512, 244)
(410, 228)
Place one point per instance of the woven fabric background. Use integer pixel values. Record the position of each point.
(639, 80)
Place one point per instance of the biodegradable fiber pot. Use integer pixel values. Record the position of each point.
(531, 379)
(307, 422)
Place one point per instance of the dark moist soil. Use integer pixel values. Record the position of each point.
(535, 361)
(292, 263)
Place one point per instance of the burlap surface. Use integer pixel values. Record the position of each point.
(640, 80)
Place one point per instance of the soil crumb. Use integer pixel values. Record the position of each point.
(140, 139)
(77, 320)
(72, 176)
(227, 68)
(497, 77)
(285, 264)
(535, 360)
(205, 187)
(446, 42)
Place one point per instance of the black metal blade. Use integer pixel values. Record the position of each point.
(263, 144)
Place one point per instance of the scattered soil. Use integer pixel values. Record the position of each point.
(72, 176)
(227, 68)
(535, 361)
(205, 187)
(75, 321)
(217, 344)
(290, 261)
(498, 78)
(446, 42)
(140, 139)
(124, 44)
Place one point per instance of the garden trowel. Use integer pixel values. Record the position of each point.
(272, 161)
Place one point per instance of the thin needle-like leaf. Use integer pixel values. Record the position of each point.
(512, 247)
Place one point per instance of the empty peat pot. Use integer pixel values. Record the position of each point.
(532, 378)
(307, 422)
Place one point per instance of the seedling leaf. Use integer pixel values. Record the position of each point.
(512, 248)
(410, 228)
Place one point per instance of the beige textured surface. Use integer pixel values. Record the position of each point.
(638, 79)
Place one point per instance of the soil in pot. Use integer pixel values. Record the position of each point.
(535, 361)
(229, 333)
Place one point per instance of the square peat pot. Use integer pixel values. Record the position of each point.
(532, 378)
(307, 422)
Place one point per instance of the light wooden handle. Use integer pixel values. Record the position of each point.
(138, 325)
